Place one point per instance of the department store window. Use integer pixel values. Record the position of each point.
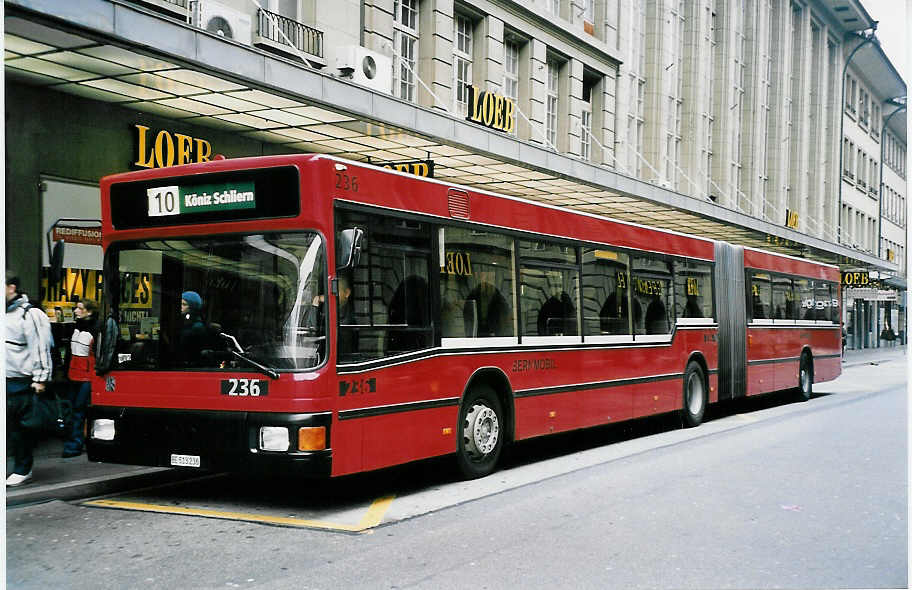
(589, 11)
(462, 62)
(552, 101)
(848, 158)
(850, 97)
(586, 121)
(511, 74)
(405, 47)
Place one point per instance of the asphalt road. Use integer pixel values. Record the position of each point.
(766, 494)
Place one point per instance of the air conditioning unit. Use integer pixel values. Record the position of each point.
(366, 67)
(224, 21)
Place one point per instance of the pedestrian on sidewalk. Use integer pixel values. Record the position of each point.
(81, 363)
(28, 370)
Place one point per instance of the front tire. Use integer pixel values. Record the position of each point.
(481, 432)
(695, 395)
(805, 379)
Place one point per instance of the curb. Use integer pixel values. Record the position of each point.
(95, 486)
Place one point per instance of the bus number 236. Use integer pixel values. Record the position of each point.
(245, 387)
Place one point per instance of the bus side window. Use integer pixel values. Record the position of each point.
(476, 284)
(783, 302)
(550, 289)
(760, 295)
(409, 316)
(651, 280)
(693, 289)
(606, 293)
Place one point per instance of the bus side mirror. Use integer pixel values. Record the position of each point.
(349, 248)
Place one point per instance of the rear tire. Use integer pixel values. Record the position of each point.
(695, 395)
(481, 432)
(805, 379)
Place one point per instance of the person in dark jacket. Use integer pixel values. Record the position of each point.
(193, 330)
(81, 364)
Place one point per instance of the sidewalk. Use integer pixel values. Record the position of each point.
(66, 479)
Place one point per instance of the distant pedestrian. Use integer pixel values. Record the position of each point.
(28, 370)
(81, 370)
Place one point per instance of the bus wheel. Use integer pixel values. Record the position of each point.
(805, 378)
(481, 432)
(694, 394)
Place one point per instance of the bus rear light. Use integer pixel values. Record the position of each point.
(103, 429)
(274, 438)
(312, 438)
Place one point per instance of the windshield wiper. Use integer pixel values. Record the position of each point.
(238, 352)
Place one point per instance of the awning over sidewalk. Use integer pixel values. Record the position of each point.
(125, 55)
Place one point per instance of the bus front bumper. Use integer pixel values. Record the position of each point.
(207, 440)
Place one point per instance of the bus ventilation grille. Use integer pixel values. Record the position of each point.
(458, 204)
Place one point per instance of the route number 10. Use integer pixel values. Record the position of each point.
(163, 200)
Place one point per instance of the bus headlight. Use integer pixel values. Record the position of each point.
(103, 429)
(274, 438)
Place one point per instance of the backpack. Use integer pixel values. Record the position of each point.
(44, 324)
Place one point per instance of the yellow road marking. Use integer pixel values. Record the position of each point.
(372, 518)
(375, 513)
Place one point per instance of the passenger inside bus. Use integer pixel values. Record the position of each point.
(193, 330)
(348, 336)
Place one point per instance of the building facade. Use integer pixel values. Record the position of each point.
(773, 123)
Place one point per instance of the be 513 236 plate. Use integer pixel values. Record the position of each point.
(185, 460)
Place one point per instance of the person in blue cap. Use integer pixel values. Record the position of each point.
(193, 330)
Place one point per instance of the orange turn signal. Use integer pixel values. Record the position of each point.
(312, 438)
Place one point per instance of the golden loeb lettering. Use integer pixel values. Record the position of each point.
(168, 149)
(491, 110)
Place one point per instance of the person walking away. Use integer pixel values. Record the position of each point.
(81, 369)
(28, 370)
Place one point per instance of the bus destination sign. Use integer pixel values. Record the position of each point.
(178, 200)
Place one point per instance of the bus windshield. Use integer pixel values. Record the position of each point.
(178, 302)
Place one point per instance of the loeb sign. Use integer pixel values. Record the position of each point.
(168, 149)
(491, 110)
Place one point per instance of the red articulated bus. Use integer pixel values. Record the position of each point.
(308, 314)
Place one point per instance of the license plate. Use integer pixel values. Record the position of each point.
(185, 460)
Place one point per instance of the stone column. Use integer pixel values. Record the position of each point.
(435, 53)
(538, 55)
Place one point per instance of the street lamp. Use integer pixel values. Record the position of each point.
(866, 38)
(901, 103)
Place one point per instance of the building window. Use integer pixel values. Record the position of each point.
(405, 46)
(511, 75)
(637, 90)
(589, 11)
(590, 115)
(462, 62)
(553, 7)
(551, 104)
(850, 98)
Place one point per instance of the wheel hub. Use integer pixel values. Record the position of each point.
(481, 430)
